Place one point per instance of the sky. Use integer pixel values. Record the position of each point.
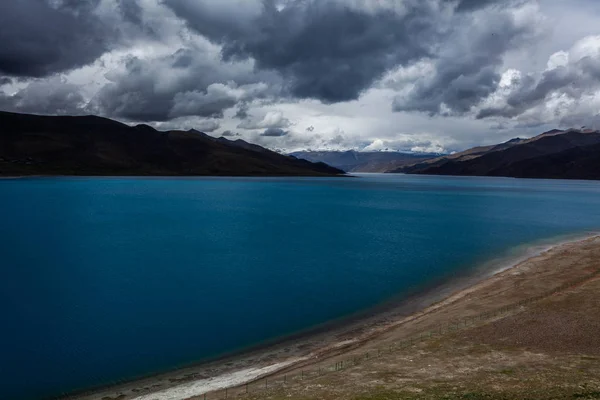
(398, 75)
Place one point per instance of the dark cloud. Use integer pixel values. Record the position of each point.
(189, 82)
(310, 129)
(229, 134)
(470, 5)
(131, 11)
(4, 80)
(324, 49)
(274, 119)
(208, 103)
(242, 111)
(467, 70)
(132, 95)
(45, 97)
(332, 51)
(460, 94)
(41, 37)
(274, 132)
(135, 21)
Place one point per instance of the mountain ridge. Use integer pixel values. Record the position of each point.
(552, 154)
(93, 145)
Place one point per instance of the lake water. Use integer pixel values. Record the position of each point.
(111, 278)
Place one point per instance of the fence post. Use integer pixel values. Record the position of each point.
(246, 387)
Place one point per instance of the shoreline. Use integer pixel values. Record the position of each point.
(344, 175)
(325, 341)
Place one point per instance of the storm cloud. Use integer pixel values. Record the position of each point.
(467, 70)
(423, 75)
(323, 49)
(131, 11)
(54, 96)
(42, 37)
(273, 119)
(571, 76)
(470, 5)
(274, 132)
(189, 82)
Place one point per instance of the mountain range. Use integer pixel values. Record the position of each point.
(358, 161)
(90, 145)
(558, 154)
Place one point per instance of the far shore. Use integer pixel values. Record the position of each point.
(393, 321)
(345, 175)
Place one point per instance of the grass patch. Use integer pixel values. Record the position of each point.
(587, 394)
(454, 393)
(507, 371)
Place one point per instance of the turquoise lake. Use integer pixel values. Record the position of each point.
(111, 278)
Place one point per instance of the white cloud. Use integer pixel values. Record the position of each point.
(272, 119)
(558, 59)
(587, 47)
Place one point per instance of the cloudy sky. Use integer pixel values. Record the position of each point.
(409, 75)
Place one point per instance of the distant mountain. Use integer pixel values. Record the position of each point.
(356, 161)
(43, 145)
(571, 154)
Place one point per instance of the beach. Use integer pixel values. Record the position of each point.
(534, 271)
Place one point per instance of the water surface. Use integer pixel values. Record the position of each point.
(112, 278)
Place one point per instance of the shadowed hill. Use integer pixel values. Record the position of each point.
(90, 145)
(555, 154)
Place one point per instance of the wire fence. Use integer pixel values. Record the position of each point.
(281, 380)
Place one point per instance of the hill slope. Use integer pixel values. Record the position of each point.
(556, 154)
(43, 145)
(356, 161)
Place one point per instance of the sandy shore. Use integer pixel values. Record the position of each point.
(485, 289)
